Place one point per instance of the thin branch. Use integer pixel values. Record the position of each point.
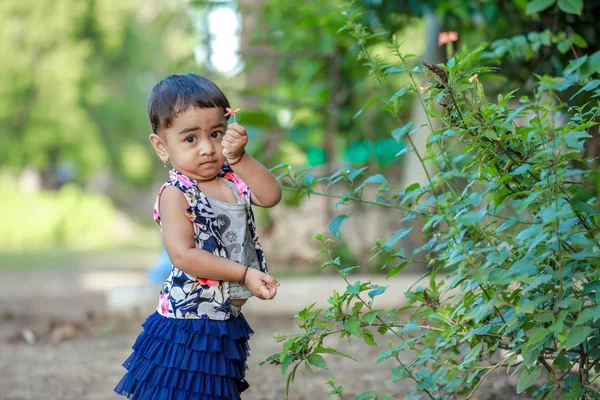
(552, 374)
(490, 370)
(358, 200)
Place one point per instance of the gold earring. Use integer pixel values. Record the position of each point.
(166, 162)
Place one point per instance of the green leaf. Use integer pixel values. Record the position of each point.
(316, 361)
(482, 330)
(354, 288)
(336, 224)
(479, 312)
(564, 46)
(410, 327)
(278, 167)
(394, 70)
(590, 86)
(399, 372)
(537, 336)
(371, 316)
(378, 178)
(400, 233)
(369, 104)
(577, 336)
(288, 344)
(539, 280)
(474, 353)
(396, 269)
(469, 218)
(309, 180)
(578, 40)
(538, 5)
(528, 377)
(354, 174)
(561, 363)
(352, 325)
(346, 271)
(285, 364)
(368, 337)
(584, 207)
(571, 6)
(523, 204)
(329, 350)
(585, 316)
(398, 94)
(370, 394)
(507, 224)
(398, 133)
(377, 290)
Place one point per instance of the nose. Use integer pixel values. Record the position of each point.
(206, 148)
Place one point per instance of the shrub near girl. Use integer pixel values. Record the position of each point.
(195, 345)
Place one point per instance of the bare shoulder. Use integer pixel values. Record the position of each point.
(172, 199)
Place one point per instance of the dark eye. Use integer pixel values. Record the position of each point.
(190, 139)
(216, 135)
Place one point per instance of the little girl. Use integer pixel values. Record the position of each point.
(195, 345)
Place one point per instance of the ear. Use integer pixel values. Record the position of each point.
(159, 147)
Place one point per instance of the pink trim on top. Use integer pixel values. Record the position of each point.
(239, 183)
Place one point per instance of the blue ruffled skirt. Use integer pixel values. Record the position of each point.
(184, 359)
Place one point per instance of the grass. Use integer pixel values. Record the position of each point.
(64, 259)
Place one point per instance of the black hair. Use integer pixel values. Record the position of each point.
(175, 93)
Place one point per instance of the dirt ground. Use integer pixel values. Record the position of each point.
(79, 355)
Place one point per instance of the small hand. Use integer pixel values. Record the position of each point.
(261, 285)
(234, 141)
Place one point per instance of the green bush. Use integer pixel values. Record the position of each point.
(68, 218)
(511, 237)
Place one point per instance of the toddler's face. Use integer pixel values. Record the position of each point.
(193, 142)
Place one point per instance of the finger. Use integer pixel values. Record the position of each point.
(265, 293)
(272, 291)
(226, 143)
(232, 135)
(268, 279)
(238, 128)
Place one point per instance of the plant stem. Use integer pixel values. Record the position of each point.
(358, 200)
(490, 370)
(552, 374)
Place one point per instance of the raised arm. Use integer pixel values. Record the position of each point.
(264, 188)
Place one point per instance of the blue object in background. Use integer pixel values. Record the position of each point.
(161, 269)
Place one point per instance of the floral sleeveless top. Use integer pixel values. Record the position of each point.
(187, 296)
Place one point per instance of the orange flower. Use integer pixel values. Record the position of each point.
(231, 112)
(447, 37)
(473, 78)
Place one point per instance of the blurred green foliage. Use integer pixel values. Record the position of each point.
(319, 87)
(75, 79)
(68, 218)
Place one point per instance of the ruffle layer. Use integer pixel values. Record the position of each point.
(177, 359)
(172, 355)
(142, 391)
(234, 328)
(207, 337)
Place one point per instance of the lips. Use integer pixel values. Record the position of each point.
(207, 162)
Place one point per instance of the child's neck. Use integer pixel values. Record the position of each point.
(208, 184)
(218, 190)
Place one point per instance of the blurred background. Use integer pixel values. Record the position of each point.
(78, 176)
